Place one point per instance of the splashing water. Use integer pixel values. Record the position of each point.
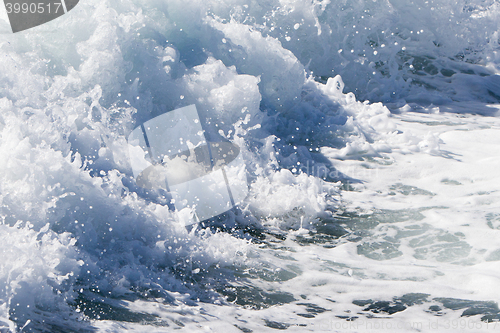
(370, 137)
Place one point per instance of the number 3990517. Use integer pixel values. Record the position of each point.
(33, 8)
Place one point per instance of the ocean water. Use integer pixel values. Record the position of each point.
(370, 133)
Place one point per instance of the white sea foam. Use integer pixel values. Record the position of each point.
(349, 199)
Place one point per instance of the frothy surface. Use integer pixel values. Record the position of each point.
(369, 131)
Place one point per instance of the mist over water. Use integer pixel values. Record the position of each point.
(369, 135)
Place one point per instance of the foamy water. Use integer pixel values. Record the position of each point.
(370, 136)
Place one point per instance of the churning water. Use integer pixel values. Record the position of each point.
(370, 135)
